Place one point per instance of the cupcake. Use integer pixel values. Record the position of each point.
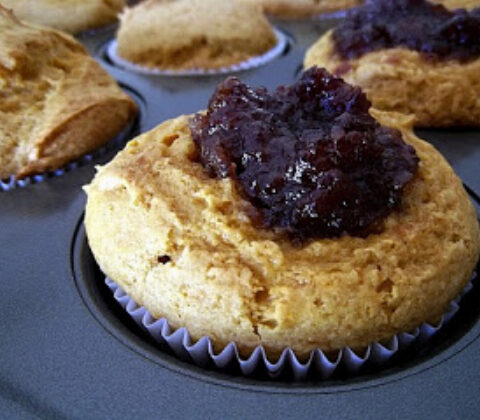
(193, 34)
(71, 16)
(57, 102)
(299, 219)
(409, 56)
(304, 8)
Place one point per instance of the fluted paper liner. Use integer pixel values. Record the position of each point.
(336, 15)
(339, 14)
(319, 365)
(12, 183)
(251, 63)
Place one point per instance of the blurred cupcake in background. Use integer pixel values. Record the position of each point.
(184, 35)
(57, 103)
(409, 56)
(73, 16)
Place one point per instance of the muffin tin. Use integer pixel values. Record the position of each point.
(68, 350)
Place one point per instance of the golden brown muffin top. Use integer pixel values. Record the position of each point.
(438, 93)
(459, 4)
(230, 280)
(72, 16)
(303, 8)
(46, 79)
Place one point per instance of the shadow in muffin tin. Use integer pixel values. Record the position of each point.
(456, 335)
(188, 93)
(446, 140)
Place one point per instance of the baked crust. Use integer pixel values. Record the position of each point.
(304, 8)
(57, 102)
(205, 34)
(459, 4)
(72, 16)
(235, 282)
(439, 93)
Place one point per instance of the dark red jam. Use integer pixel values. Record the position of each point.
(415, 24)
(309, 157)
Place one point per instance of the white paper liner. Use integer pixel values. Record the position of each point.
(12, 183)
(319, 365)
(251, 63)
(340, 14)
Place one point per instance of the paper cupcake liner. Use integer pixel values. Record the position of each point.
(251, 63)
(318, 366)
(339, 14)
(12, 183)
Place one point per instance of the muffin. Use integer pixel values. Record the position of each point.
(200, 34)
(382, 242)
(410, 57)
(303, 8)
(57, 102)
(71, 16)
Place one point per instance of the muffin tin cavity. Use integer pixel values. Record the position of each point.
(456, 334)
(63, 322)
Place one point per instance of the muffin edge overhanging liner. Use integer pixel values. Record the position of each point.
(119, 140)
(251, 63)
(318, 365)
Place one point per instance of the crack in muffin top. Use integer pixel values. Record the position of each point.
(308, 157)
(420, 25)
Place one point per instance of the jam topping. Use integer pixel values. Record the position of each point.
(415, 24)
(309, 157)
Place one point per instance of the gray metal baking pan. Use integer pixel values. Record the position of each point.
(68, 351)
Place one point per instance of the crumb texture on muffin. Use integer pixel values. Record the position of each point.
(72, 16)
(439, 93)
(200, 34)
(229, 280)
(459, 4)
(303, 8)
(57, 102)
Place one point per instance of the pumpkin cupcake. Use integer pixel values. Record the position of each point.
(180, 35)
(409, 56)
(71, 16)
(57, 102)
(299, 219)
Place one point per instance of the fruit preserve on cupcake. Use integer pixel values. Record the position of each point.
(300, 218)
(409, 56)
